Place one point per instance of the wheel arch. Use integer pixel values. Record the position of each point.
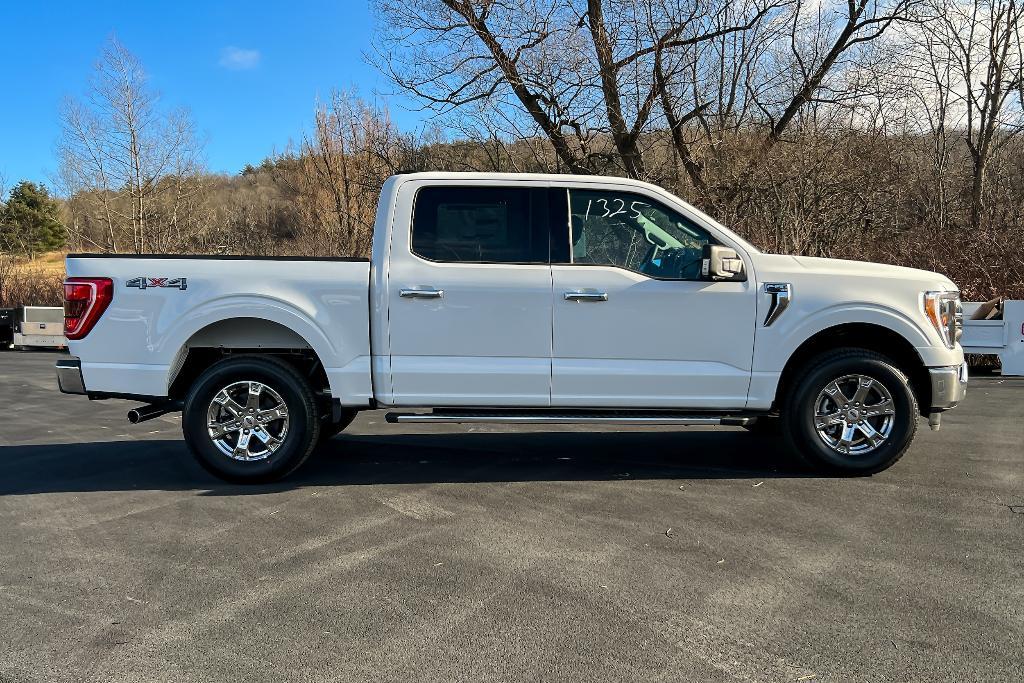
(868, 336)
(338, 340)
(249, 335)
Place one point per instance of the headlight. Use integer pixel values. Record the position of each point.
(946, 315)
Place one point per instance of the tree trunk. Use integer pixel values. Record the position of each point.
(978, 192)
(625, 141)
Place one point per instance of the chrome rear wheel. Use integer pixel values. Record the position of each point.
(247, 420)
(251, 418)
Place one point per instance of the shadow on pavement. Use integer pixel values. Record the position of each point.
(359, 460)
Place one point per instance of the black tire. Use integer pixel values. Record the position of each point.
(330, 429)
(299, 438)
(800, 406)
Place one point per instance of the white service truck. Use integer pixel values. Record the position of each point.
(39, 327)
(516, 298)
(1001, 335)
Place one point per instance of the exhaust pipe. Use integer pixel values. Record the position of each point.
(143, 413)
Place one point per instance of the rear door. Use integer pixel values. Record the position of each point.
(634, 324)
(469, 295)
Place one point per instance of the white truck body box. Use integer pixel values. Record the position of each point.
(1003, 338)
(41, 327)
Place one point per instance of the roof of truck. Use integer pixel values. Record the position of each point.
(552, 177)
(400, 178)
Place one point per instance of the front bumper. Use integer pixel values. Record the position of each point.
(69, 376)
(949, 386)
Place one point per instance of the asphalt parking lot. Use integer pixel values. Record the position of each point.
(416, 553)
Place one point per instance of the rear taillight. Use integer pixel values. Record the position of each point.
(85, 299)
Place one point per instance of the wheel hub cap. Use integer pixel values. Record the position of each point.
(247, 421)
(854, 415)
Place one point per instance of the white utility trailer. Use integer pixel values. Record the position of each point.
(40, 327)
(1000, 337)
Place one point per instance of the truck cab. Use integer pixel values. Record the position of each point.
(521, 298)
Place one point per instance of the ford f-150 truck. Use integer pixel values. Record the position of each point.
(516, 298)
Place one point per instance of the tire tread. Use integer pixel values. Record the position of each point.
(790, 409)
(305, 395)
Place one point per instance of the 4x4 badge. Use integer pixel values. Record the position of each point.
(147, 282)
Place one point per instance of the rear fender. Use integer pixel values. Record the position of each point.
(347, 368)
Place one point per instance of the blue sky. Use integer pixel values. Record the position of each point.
(250, 72)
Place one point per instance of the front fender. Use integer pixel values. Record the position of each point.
(775, 345)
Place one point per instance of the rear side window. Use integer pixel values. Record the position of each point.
(481, 225)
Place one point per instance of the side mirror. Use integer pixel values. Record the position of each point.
(722, 264)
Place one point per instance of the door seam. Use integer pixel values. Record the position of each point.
(551, 348)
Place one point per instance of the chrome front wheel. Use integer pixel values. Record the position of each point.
(247, 420)
(850, 411)
(854, 414)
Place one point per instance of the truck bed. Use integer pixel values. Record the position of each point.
(164, 305)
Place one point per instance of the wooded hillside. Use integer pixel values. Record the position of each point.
(887, 130)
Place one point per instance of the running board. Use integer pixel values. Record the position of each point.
(567, 418)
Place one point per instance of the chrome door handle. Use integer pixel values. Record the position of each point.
(586, 296)
(421, 293)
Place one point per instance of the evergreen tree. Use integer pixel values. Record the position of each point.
(30, 221)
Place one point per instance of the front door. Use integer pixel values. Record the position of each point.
(469, 297)
(634, 324)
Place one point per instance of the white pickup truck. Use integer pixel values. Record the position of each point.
(519, 299)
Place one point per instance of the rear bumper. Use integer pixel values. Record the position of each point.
(949, 386)
(69, 376)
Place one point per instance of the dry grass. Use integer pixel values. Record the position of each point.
(51, 264)
(31, 283)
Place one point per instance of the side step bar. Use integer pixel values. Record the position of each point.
(569, 417)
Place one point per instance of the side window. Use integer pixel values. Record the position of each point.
(480, 225)
(633, 232)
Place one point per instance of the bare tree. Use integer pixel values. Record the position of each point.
(710, 91)
(584, 73)
(819, 39)
(934, 97)
(6, 260)
(341, 168)
(132, 163)
(981, 43)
